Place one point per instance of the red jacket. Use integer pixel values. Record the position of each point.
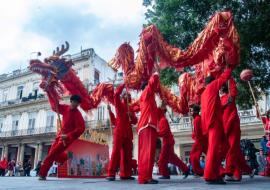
(164, 129)
(122, 121)
(3, 164)
(266, 123)
(197, 133)
(73, 124)
(210, 102)
(148, 105)
(229, 110)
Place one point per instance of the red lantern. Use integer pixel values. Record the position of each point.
(246, 75)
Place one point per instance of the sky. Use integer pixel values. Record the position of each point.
(41, 25)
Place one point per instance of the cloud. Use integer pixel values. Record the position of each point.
(41, 25)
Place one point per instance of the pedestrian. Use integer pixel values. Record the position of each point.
(3, 166)
(18, 169)
(262, 162)
(11, 166)
(202, 161)
(38, 167)
(27, 168)
(263, 143)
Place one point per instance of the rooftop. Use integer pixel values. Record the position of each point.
(84, 54)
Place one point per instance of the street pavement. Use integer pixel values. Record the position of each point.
(176, 182)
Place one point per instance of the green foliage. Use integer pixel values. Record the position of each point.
(169, 76)
(181, 20)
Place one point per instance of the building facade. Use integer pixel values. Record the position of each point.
(27, 124)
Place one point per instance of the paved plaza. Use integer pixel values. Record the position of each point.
(191, 183)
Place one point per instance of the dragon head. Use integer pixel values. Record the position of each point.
(53, 67)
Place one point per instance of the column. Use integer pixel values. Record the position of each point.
(5, 151)
(18, 153)
(36, 155)
(39, 156)
(21, 153)
(2, 152)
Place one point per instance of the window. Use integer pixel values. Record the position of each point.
(50, 119)
(120, 74)
(101, 113)
(19, 92)
(35, 88)
(32, 120)
(96, 77)
(5, 94)
(15, 122)
(1, 124)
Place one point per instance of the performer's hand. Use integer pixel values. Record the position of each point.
(63, 137)
(229, 101)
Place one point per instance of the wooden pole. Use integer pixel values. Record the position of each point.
(253, 96)
(60, 122)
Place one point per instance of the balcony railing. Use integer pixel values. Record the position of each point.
(26, 132)
(246, 117)
(98, 124)
(182, 124)
(24, 99)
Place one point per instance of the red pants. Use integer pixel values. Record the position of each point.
(235, 160)
(166, 156)
(57, 153)
(213, 157)
(147, 149)
(197, 149)
(241, 167)
(122, 149)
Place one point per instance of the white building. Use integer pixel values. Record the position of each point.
(27, 124)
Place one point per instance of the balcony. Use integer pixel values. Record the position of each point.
(28, 132)
(247, 117)
(98, 124)
(23, 100)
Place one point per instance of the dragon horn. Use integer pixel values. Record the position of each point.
(64, 49)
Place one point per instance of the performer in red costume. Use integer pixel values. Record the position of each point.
(211, 117)
(122, 136)
(147, 130)
(167, 154)
(235, 161)
(73, 126)
(266, 121)
(201, 141)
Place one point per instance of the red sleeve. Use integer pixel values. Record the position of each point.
(135, 106)
(79, 127)
(197, 127)
(133, 118)
(112, 118)
(117, 94)
(58, 108)
(264, 120)
(163, 127)
(153, 85)
(233, 87)
(221, 79)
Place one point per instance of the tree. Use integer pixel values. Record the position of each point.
(181, 20)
